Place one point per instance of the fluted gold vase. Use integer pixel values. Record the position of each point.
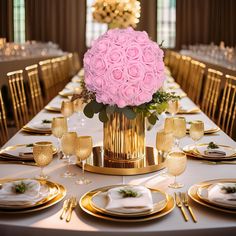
(124, 140)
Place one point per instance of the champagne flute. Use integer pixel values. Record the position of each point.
(43, 153)
(179, 129)
(78, 107)
(83, 149)
(169, 124)
(196, 131)
(59, 127)
(164, 142)
(173, 107)
(67, 109)
(68, 148)
(176, 164)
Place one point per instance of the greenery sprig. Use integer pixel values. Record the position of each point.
(128, 193)
(46, 121)
(229, 189)
(20, 188)
(212, 145)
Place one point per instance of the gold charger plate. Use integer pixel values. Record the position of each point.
(192, 192)
(156, 208)
(188, 149)
(66, 95)
(190, 111)
(52, 109)
(97, 163)
(41, 204)
(85, 205)
(5, 155)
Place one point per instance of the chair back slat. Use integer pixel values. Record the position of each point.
(3, 122)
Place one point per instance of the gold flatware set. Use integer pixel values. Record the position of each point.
(181, 200)
(68, 206)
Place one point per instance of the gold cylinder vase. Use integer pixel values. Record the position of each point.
(124, 141)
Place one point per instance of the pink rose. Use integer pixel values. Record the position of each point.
(141, 37)
(98, 65)
(103, 46)
(148, 55)
(149, 81)
(133, 51)
(115, 55)
(143, 97)
(117, 75)
(129, 92)
(135, 71)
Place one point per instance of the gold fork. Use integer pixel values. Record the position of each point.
(65, 208)
(73, 204)
(184, 197)
(180, 205)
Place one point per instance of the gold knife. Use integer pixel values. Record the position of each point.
(65, 208)
(73, 204)
(180, 205)
(186, 203)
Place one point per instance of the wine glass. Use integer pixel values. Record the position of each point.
(176, 164)
(43, 153)
(164, 142)
(196, 131)
(78, 107)
(59, 127)
(67, 109)
(179, 129)
(173, 107)
(83, 149)
(169, 124)
(68, 148)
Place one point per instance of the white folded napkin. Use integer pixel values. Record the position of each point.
(117, 203)
(218, 195)
(20, 152)
(34, 193)
(40, 125)
(222, 152)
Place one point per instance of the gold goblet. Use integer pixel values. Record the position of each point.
(83, 149)
(68, 148)
(59, 127)
(164, 142)
(176, 164)
(43, 153)
(196, 130)
(78, 107)
(169, 124)
(179, 129)
(67, 109)
(173, 107)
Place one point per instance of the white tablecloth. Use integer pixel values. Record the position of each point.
(47, 222)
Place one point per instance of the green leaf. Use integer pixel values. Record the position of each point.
(152, 119)
(129, 113)
(88, 110)
(97, 107)
(110, 109)
(103, 116)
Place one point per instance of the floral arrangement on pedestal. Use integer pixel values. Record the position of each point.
(124, 72)
(121, 14)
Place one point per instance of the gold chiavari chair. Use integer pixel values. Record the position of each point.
(167, 57)
(71, 68)
(185, 72)
(195, 81)
(211, 92)
(17, 91)
(227, 115)
(47, 79)
(57, 74)
(64, 70)
(175, 66)
(3, 122)
(36, 99)
(77, 65)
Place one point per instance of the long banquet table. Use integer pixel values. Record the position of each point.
(47, 222)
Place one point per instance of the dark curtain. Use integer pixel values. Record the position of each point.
(59, 21)
(148, 19)
(6, 19)
(205, 21)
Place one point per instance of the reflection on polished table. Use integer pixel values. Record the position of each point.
(47, 222)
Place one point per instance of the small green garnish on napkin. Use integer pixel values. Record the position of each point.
(128, 193)
(212, 145)
(30, 145)
(229, 189)
(20, 188)
(46, 121)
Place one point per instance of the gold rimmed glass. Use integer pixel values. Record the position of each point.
(164, 142)
(83, 149)
(43, 154)
(78, 108)
(59, 127)
(68, 148)
(179, 131)
(67, 109)
(169, 124)
(176, 164)
(173, 107)
(196, 130)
